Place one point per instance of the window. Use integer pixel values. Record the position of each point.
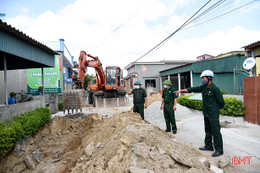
(111, 76)
(150, 83)
(121, 78)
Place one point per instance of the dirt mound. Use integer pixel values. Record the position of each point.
(121, 143)
(153, 98)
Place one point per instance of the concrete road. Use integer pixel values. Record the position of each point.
(240, 138)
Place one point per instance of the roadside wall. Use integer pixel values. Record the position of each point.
(252, 99)
(10, 111)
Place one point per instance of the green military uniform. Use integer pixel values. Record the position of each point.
(212, 102)
(168, 97)
(139, 100)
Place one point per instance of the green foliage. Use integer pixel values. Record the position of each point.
(60, 105)
(21, 126)
(233, 107)
(87, 80)
(224, 92)
(194, 104)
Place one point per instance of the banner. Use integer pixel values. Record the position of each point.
(52, 79)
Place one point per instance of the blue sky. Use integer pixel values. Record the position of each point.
(91, 25)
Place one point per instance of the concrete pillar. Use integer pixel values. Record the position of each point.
(42, 82)
(191, 79)
(160, 83)
(169, 77)
(53, 103)
(179, 81)
(5, 79)
(62, 44)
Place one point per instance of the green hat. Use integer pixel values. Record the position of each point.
(167, 82)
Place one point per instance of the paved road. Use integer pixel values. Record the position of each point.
(240, 138)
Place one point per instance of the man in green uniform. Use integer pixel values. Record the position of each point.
(140, 98)
(212, 102)
(169, 100)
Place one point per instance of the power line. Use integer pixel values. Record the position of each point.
(136, 13)
(221, 14)
(167, 38)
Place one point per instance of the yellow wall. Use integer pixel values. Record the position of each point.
(258, 66)
(257, 51)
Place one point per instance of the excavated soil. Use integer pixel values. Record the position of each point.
(92, 143)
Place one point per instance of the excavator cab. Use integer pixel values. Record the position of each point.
(114, 78)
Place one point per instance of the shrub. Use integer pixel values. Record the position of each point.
(233, 107)
(21, 126)
(60, 105)
(224, 92)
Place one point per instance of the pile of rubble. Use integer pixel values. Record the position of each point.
(120, 143)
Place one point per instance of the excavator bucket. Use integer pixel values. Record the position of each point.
(74, 100)
(110, 102)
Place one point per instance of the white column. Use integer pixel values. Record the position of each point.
(5, 79)
(191, 79)
(169, 78)
(160, 83)
(179, 81)
(42, 82)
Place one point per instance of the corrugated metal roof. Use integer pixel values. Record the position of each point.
(257, 43)
(222, 63)
(23, 36)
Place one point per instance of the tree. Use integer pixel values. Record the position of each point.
(87, 80)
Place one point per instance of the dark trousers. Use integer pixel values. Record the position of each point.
(139, 108)
(212, 129)
(169, 117)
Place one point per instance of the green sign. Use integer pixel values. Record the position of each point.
(52, 78)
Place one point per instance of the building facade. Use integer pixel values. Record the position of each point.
(148, 73)
(20, 80)
(253, 50)
(227, 68)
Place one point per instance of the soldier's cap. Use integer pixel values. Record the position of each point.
(167, 82)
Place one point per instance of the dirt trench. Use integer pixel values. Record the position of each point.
(92, 143)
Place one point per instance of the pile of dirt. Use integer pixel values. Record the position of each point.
(153, 98)
(120, 143)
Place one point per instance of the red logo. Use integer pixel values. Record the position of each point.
(241, 161)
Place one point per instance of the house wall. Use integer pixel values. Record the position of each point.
(152, 72)
(224, 81)
(16, 81)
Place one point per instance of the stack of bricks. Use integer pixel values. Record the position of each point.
(73, 100)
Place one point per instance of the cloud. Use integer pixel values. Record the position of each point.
(119, 31)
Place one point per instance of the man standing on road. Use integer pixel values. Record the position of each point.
(169, 100)
(140, 98)
(212, 102)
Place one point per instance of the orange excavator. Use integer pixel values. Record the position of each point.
(107, 87)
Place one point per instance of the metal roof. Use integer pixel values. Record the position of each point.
(257, 43)
(158, 63)
(21, 51)
(219, 64)
(23, 36)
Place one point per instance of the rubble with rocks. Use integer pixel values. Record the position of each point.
(89, 143)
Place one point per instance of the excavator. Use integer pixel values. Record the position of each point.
(105, 90)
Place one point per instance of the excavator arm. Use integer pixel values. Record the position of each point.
(84, 63)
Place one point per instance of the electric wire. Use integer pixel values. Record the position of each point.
(167, 38)
(198, 18)
(228, 12)
(144, 6)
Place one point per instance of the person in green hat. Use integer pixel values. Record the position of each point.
(140, 98)
(169, 100)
